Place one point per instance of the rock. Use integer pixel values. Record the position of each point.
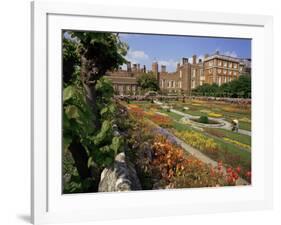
(121, 176)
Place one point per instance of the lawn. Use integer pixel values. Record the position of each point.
(234, 148)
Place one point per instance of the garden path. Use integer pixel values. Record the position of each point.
(225, 124)
(196, 153)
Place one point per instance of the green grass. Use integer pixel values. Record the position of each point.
(245, 139)
(231, 154)
(172, 115)
(245, 126)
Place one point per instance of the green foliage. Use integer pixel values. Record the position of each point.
(203, 119)
(237, 88)
(103, 52)
(70, 59)
(148, 82)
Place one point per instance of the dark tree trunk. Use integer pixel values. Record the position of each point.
(89, 79)
(80, 157)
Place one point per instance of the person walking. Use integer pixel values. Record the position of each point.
(235, 125)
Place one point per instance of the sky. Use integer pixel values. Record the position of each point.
(168, 50)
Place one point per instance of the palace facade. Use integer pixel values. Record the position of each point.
(215, 68)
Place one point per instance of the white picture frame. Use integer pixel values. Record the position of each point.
(47, 202)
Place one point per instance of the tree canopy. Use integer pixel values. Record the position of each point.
(236, 88)
(148, 82)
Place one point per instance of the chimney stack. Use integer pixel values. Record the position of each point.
(184, 60)
(217, 52)
(194, 59)
(129, 68)
(144, 68)
(155, 68)
(138, 67)
(178, 66)
(163, 68)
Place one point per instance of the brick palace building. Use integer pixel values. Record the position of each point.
(215, 68)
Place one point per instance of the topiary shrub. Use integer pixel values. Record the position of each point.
(203, 119)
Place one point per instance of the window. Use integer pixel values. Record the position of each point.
(234, 73)
(210, 71)
(179, 84)
(241, 68)
(201, 73)
(225, 64)
(229, 72)
(219, 70)
(230, 65)
(235, 66)
(210, 63)
(180, 74)
(224, 71)
(193, 73)
(193, 84)
(219, 62)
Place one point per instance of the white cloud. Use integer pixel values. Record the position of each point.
(170, 64)
(136, 56)
(227, 53)
(230, 53)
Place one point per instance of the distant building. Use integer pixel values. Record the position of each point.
(215, 68)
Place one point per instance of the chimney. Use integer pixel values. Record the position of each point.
(200, 60)
(134, 67)
(194, 59)
(155, 67)
(144, 68)
(217, 52)
(178, 66)
(163, 68)
(138, 67)
(129, 68)
(184, 60)
(206, 56)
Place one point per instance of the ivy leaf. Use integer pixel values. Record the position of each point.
(68, 93)
(104, 110)
(90, 162)
(116, 144)
(105, 128)
(72, 112)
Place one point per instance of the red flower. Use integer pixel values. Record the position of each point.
(248, 174)
(229, 170)
(238, 169)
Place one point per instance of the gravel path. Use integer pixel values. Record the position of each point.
(196, 153)
(223, 123)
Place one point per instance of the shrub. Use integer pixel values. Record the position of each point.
(203, 119)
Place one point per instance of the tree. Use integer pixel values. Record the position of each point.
(88, 107)
(235, 88)
(148, 82)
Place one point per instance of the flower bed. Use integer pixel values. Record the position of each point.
(244, 146)
(198, 141)
(215, 115)
(176, 169)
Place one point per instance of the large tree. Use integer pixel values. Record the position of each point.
(148, 82)
(88, 107)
